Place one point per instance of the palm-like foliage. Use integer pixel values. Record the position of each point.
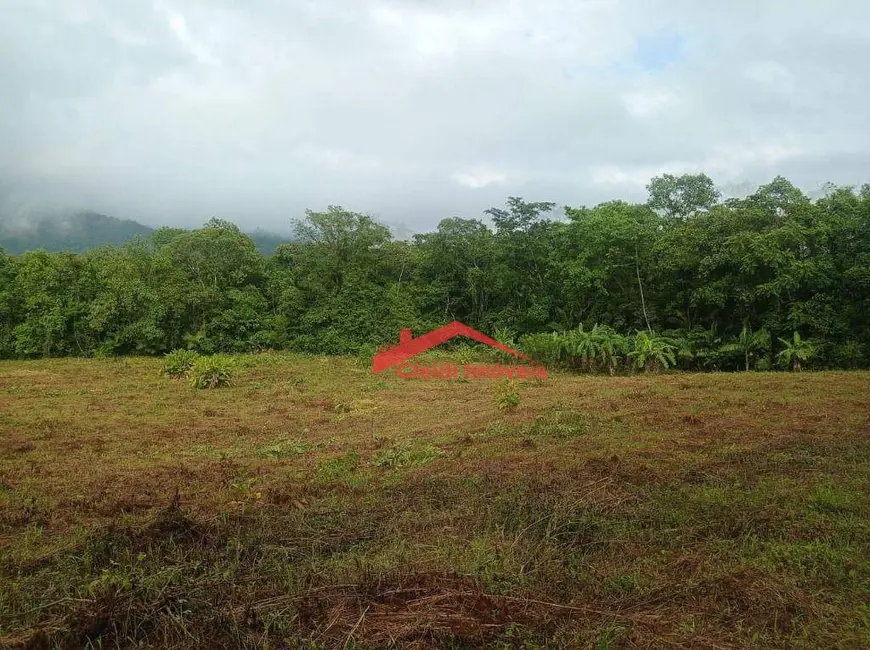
(748, 343)
(653, 352)
(579, 347)
(797, 351)
(611, 347)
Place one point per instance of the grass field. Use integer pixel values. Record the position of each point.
(313, 505)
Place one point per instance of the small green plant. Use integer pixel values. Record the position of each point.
(337, 468)
(289, 448)
(179, 362)
(559, 423)
(212, 372)
(506, 396)
(611, 347)
(403, 454)
(466, 354)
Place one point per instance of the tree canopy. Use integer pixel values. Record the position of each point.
(732, 282)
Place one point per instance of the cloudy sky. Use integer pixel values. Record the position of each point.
(171, 111)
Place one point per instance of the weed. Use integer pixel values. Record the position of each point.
(290, 448)
(506, 396)
(179, 362)
(621, 586)
(212, 372)
(559, 423)
(404, 454)
(831, 499)
(338, 468)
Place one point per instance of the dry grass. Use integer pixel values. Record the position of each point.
(312, 505)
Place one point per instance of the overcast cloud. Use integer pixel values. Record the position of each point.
(171, 111)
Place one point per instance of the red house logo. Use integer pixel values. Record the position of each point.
(409, 347)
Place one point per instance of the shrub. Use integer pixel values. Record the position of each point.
(212, 372)
(179, 362)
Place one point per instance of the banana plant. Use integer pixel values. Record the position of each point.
(581, 347)
(653, 352)
(797, 351)
(748, 343)
(611, 347)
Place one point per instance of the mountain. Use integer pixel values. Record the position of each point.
(77, 233)
(88, 230)
(266, 242)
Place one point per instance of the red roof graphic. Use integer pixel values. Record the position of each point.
(409, 346)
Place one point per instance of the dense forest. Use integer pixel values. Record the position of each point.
(770, 280)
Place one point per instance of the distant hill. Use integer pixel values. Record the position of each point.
(88, 230)
(77, 233)
(266, 242)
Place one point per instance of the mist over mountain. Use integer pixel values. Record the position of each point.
(76, 232)
(84, 231)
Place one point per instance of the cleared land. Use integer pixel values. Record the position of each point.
(313, 505)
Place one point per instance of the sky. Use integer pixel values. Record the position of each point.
(173, 111)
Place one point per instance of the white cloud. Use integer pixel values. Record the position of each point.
(773, 75)
(169, 109)
(178, 25)
(644, 103)
(479, 177)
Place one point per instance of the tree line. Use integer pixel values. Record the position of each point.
(749, 283)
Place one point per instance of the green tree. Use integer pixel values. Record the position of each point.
(682, 196)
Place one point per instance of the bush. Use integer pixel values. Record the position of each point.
(212, 372)
(179, 362)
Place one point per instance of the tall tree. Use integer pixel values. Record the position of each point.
(682, 196)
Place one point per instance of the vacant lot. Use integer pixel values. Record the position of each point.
(313, 505)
